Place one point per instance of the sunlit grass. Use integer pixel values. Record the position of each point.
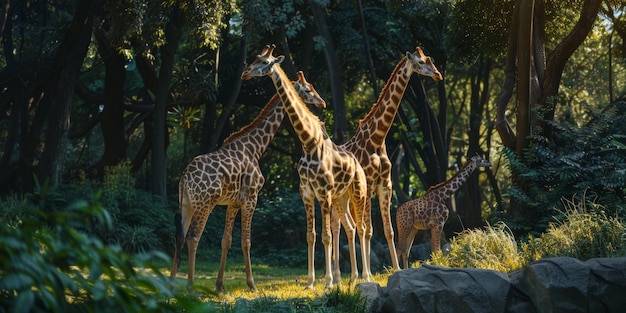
(279, 289)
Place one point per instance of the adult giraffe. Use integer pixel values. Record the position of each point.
(368, 144)
(230, 176)
(327, 172)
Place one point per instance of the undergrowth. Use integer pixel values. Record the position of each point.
(584, 231)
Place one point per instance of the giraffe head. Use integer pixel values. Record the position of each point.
(307, 92)
(480, 162)
(422, 64)
(263, 65)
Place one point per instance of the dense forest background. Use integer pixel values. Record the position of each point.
(112, 98)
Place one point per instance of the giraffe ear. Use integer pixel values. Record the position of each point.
(279, 59)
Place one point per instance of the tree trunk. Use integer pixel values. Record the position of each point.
(334, 74)
(367, 50)
(173, 33)
(112, 116)
(229, 106)
(469, 200)
(60, 90)
(559, 57)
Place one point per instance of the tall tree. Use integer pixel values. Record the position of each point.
(334, 73)
(537, 76)
(57, 93)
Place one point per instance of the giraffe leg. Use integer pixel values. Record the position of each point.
(182, 220)
(327, 242)
(349, 226)
(193, 238)
(367, 239)
(335, 228)
(227, 240)
(192, 247)
(384, 199)
(435, 238)
(309, 207)
(404, 222)
(361, 206)
(246, 225)
(409, 243)
(180, 241)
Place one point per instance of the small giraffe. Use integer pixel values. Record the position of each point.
(327, 172)
(430, 210)
(368, 143)
(230, 176)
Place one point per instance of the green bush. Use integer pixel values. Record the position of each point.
(60, 268)
(583, 233)
(583, 159)
(140, 221)
(493, 247)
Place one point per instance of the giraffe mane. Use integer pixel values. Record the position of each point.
(378, 101)
(282, 73)
(264, 113)
(451, 178)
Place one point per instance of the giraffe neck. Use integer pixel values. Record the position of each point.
(306, 125)
(448, 187)
(256, 136)
(376, 124)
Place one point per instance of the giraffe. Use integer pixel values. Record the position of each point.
(368, 144)
(230, 176)
(430, 210)
(327, 172)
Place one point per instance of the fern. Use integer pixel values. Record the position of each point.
(587, 159)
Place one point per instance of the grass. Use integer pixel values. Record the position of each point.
(279, 290)
(583, 231)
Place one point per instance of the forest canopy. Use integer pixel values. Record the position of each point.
(537, 87)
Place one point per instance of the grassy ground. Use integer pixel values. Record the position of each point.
(279, 290)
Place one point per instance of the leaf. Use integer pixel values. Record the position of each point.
(16, 281)
(24, 302)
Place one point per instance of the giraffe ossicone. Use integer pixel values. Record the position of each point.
(430, 211)
(229, 176)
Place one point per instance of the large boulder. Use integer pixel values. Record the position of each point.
(550, 285)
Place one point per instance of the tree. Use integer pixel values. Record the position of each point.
(537, 77)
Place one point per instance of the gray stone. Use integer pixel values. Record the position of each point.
(370, 291)
(550, 285)
(607, 285)
(437, 289)
(556, 285)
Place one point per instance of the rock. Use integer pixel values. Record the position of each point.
(558, 284)
(607, 285)
(555, 285)
(369, 291)
(437, 289)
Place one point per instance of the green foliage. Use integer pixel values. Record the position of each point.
(62, 269)
(588, 159)
(279, 228)
(140, 222)
(585, 232)
(493, 247)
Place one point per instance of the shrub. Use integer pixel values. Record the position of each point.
(140, 221)
(493, 247)
(588, 158)
(62, 269)
(584, 233)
